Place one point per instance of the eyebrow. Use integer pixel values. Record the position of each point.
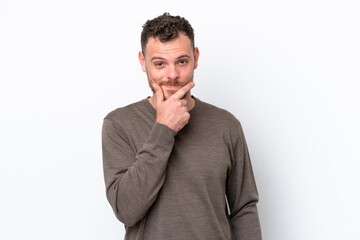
(161, 58)
(155, 58)
(184, 56)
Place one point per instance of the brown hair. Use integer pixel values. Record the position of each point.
(166, 28)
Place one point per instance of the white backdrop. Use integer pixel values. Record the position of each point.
(289, 70)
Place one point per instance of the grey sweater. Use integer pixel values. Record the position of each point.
(165, 185)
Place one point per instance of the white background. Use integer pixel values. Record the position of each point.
(289, 70)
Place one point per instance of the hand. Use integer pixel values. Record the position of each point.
(172, 112)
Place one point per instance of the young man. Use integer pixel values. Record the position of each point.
(176, 167)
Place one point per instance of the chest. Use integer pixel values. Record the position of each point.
(201, 154)
(200, 157)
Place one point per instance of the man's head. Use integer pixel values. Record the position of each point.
(168, 54)
(166, 28)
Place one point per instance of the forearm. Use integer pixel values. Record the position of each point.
(133, 182)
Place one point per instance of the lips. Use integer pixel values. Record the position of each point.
(171, 87)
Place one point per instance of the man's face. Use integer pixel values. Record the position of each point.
(169, 64)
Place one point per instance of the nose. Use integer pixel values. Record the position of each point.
(172, 73)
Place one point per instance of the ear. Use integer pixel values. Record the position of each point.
(142, 61)
(196, 57)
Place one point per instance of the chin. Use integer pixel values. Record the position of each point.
(169, 93)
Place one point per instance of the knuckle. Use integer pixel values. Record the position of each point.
(178, 104)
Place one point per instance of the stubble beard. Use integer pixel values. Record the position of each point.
(170, 92)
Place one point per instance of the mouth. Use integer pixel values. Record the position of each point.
(171, 87)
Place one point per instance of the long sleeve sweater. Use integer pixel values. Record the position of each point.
(197, 183)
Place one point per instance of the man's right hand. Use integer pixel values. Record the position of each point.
(173, 111)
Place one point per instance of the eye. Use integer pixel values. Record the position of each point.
(159, 64)
(183, 62)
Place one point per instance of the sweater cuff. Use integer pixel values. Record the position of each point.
(162, 136)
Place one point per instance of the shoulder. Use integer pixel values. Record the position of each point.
(218, 116)
(128, 111)
(129, 117)
(217, 121)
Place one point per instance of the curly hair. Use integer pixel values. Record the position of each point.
(166, 28)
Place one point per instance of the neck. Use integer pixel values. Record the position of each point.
(189, 99)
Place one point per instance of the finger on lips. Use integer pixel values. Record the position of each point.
(179, 94)
(182, 91)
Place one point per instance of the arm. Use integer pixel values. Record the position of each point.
(133, 180)
(242, 194)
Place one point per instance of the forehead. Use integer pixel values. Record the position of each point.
(179, 45)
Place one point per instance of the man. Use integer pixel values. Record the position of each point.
(176, 167)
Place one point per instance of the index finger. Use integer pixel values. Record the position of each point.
(182, 91)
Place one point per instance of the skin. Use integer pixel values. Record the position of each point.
(169, 67)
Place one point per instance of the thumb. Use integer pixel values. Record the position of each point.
(159, 94)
